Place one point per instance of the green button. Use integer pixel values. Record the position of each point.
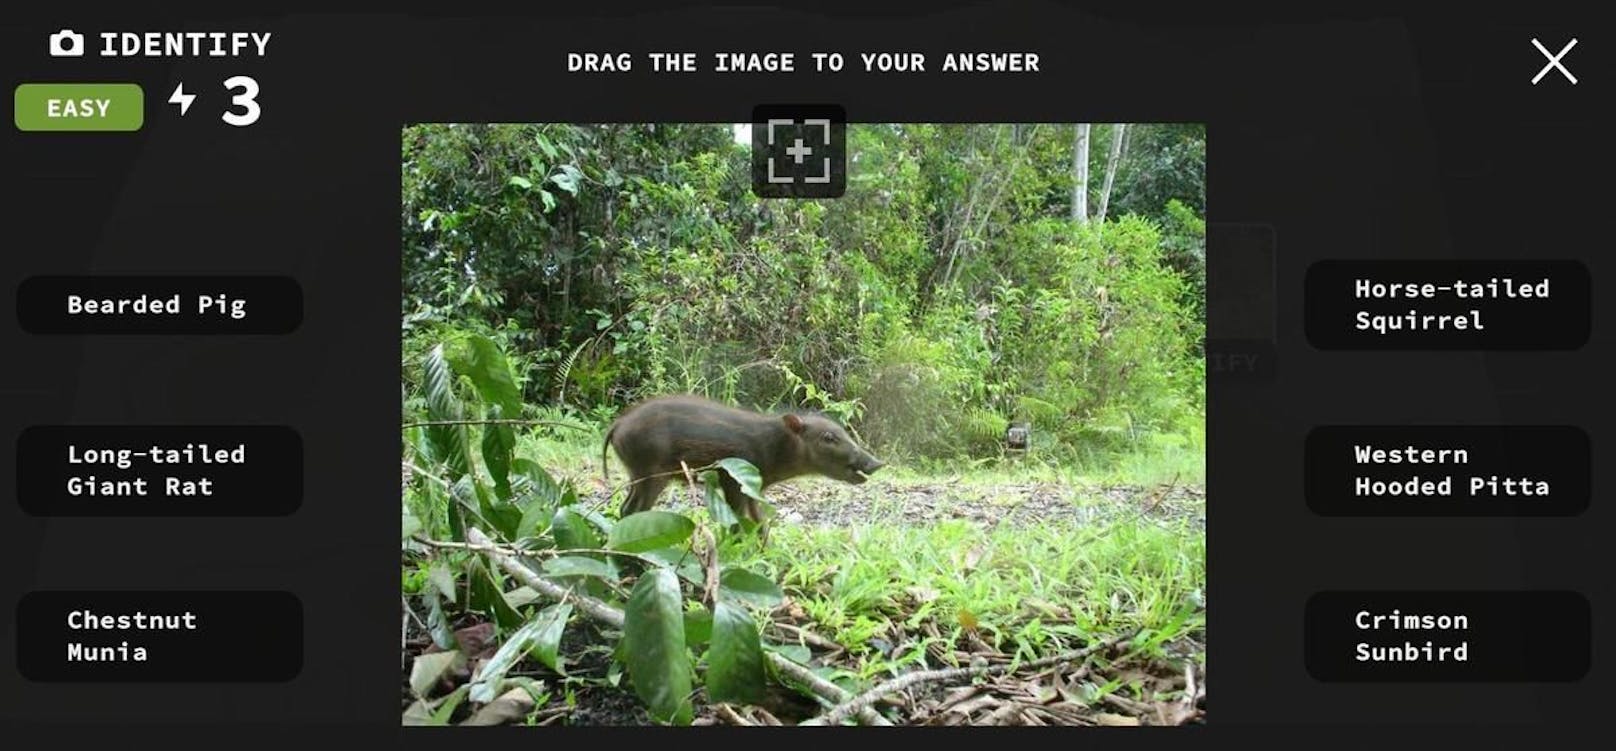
(79, 106)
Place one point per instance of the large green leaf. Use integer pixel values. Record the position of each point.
(468, 497)
(521, 597)
(434, 712)
(546, 146)
(534, 519)
(487, 683)
(437, 621)
(573, 565)
(572, 531)
(457, 518)
(567, 179)
(654, 647)
(649, 530)
(540, 636)
(698, 626)
(596, 518)
(745, 474)
(744, 585)
(717, 504)
(735, 661)
(499, 446)
(504, 517)
(545, 488)
(680, 560)
(547, 647)
(794, 652)
(487, 598)
(448, 441)
(490, 371)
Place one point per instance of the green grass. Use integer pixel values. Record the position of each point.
(1184, 466)
(886, 586)
(1029, 591)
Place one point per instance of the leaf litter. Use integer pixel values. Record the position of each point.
(1110, 689)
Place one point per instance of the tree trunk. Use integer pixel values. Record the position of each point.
(1111, 166)
(1080, 174)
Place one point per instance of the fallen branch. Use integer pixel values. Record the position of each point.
(510, 550)
(1127, 705)
(765, 718)
(806, 637)
(732, 717)
(1005, 712)
(595, 608)
(840, 712)
(825, 689)
(613, 617)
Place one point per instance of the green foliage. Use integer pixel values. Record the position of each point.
(745, 475)
(1164, 163)
(1032, 590)
(447, 442)
(944, 296)
(649, 530)
(668, 633)
(558, 272)
(654, 646)
(541, 636)
(743, 585)
(573, 532)
(735, 663)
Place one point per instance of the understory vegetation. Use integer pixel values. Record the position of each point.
(972, 279)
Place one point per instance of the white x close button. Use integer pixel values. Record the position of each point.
(1554, 61)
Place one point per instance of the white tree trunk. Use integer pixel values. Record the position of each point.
(1111, 166)
(1080, 174)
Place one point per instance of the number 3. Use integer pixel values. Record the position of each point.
(244, 100)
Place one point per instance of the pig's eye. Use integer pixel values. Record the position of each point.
(828, 438)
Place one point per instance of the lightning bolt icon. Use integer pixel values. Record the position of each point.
(181, 98)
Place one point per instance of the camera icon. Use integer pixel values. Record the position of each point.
(67, 43)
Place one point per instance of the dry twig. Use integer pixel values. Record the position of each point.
(840, 712)
(733, 717)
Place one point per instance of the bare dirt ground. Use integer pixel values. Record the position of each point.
(820, 503)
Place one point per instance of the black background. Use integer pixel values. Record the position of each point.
(1345, 132)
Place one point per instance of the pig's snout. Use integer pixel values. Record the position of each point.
(863, 468)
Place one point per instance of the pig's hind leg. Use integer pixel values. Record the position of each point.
(643, 494)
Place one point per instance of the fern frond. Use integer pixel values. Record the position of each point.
(563, 370)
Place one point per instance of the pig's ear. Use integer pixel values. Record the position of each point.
(793, 423)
